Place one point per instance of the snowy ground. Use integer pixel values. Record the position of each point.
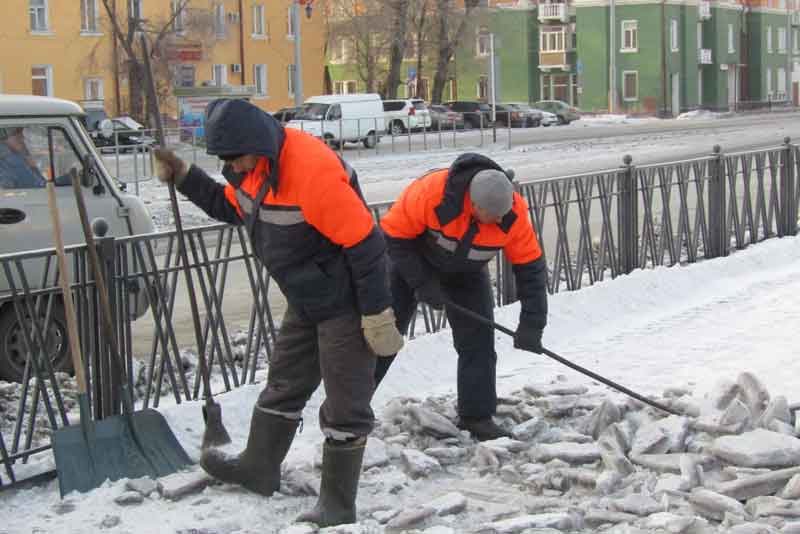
(683, 328)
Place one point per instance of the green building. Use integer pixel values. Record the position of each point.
(624, 56)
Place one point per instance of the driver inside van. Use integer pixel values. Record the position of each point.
(18, 170)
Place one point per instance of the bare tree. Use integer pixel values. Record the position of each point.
(399, 27)
(125, 30)
(450, 25)
(420, 30)
(360, 27)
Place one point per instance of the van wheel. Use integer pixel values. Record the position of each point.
(13, 355)
(370, 140)
(397, 128)
(331, 142)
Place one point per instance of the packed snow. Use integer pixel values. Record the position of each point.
(715, 341)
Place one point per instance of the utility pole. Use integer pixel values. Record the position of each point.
(298, 60)
(492, 87)
(612, 57)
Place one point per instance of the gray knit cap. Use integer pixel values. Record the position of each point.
(491, 190)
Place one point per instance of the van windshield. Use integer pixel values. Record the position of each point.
(312, 112)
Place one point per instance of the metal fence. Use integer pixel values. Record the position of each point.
(591, 227)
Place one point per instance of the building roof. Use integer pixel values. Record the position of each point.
(27, 105)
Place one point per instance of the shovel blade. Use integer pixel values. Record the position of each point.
(116, 447)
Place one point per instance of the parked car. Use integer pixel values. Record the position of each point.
(445, 119)
(123, 132)
(562, 110)
(338, 119)
(406, 115)
(51, 133)
(476, 114)
(532, 117)
(506, 114)
(549, 119)
(284, 115)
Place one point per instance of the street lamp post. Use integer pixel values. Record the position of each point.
(298, 59)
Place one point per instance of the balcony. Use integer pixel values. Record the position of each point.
(550, 12)
(549, 61)
(704, 10)
(704, 56)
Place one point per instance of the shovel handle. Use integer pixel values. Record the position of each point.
(550, 354)
(63, 278)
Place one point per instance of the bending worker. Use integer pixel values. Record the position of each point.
(441, 233)
(310, 227)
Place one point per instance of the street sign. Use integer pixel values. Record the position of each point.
(579, 66)
(412, 72)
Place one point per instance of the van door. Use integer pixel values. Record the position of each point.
(337, 124)
(25, 160)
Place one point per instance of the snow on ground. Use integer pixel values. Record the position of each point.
(680, 328)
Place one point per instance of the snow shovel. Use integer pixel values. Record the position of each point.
(550, 354)
(150, 435)
(90, 452)
(215, 433)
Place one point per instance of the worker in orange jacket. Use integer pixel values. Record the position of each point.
(311, 228)
(441, 234)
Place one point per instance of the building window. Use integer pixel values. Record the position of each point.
(93, 89)
(42, 80)
(483, 88)
(780, 90)
(260, 77)
(219, 21)
(258, 21)
(135, 9)
(89, 16)
(769, 39)
(290, 24)
(290, 72)
(552, 41)
(573, 36)
(673, 35)
(796, 40)
(699, 35)
(178, 17)
(219, 75)
(731, 40)
(700, 87)
(483, 43)
(630, 85)
(452, 88)
(630, 36)
(769, 83)
(782, 40)
(345, 87)
(38, 13)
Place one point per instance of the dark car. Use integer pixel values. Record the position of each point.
(444, 118)
(506, 114)
(531, 117)
(562, 110)
(284, 115)
(476, 114)
(122, 132)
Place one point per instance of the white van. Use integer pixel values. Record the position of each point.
(337, 119)
(41, 136)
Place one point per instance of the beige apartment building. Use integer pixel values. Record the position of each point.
(66, 49)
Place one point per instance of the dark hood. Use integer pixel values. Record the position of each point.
(235, 126)
(459, 176)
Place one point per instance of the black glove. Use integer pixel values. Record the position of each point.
(528, 338)
(431, 293)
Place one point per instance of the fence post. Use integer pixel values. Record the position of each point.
(109, 386)
(788, 188)
(628, 217)
(716, 206)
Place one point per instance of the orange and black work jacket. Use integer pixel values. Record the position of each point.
(305, 214)
(431, 229)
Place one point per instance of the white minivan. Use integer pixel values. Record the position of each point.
(45, 136)
(337, 119)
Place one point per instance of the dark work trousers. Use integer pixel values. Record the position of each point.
(473, 341)
(334, 352)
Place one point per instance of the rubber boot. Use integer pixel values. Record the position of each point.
(341, 469)
(482, 428)
(258, 466)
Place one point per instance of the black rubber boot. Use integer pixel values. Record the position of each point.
(482, 428)
(341, 469)
(258, 466)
